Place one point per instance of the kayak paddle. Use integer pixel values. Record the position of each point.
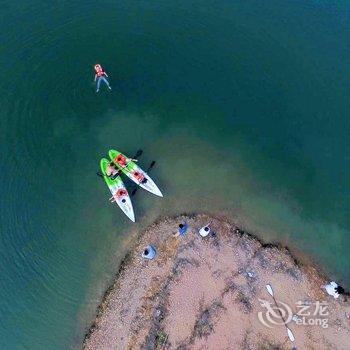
(289, 332)
(138, 154)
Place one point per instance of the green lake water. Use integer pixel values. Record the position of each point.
(243, 104)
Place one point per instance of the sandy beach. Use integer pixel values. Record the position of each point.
(210, 293)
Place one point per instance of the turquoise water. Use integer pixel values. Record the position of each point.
(243, 104)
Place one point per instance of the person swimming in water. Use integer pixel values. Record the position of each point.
(100, 76)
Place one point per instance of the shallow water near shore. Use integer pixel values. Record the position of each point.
(243, 105)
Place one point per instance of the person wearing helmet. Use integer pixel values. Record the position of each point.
(100, 76)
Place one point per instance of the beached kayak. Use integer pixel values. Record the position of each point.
(118, 190)
(134, 172)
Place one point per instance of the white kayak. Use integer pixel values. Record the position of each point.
(119, 192)
(134, 172)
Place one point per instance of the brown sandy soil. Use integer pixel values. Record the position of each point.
(197, 294)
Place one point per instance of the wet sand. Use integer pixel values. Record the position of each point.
(208, 293)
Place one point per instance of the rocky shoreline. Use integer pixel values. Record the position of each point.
(210, 293)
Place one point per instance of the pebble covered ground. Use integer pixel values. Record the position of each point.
(208, 293)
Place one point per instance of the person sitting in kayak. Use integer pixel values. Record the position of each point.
(123, 161)
(111, 171)
(100, 76)
(139, 177)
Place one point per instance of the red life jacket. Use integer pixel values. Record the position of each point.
(120, 159)
(121, 192)
(99, 71)
(138, 175)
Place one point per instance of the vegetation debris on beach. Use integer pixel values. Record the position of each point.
(206, 293)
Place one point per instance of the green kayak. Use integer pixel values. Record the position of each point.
(120, 194)
(134, 172)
